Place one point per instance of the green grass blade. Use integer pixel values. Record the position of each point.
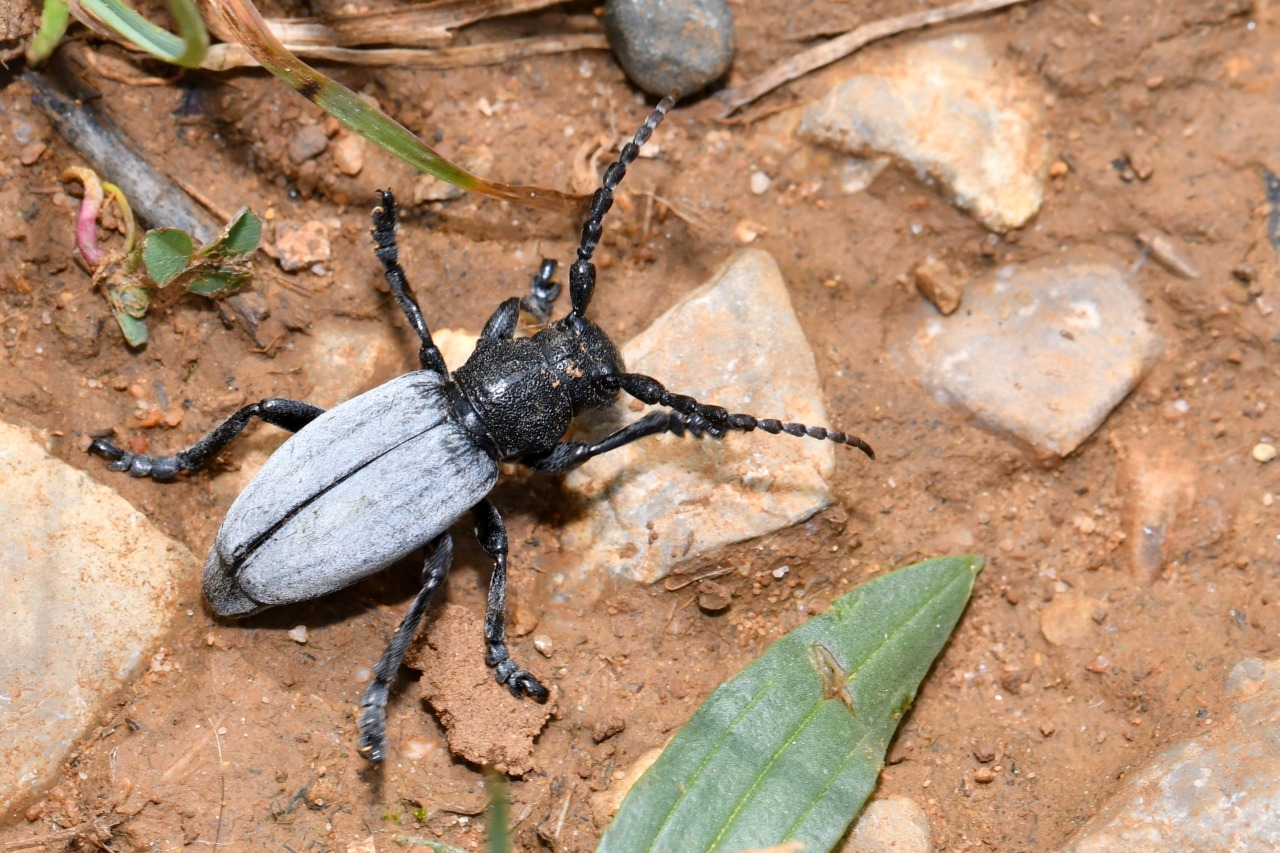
(791, 747)
(187, 48)
(54, 18)
(243, 18)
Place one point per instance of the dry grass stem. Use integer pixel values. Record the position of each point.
(731, 100)
(415, 26)
(226, 56)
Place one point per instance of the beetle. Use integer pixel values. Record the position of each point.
(365, 484)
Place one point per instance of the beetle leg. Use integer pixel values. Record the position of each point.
(292, 415)
(492, 534)
(568, 455)
(373, 704)
(543, 292)
(502, 325)
(384, 238)
(646, 389)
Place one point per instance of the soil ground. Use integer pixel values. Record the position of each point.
(237, 735)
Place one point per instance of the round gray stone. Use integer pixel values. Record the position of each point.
(670, 45)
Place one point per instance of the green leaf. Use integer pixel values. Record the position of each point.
(791, 748)
(498, 837)
(239, 237)
(187, 48)
(249, 28)
(53, 24)
(129, 306)
(218, 281)
(166, 252)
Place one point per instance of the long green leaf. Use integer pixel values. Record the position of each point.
(187, 48)
(791, 748)
(244, 20)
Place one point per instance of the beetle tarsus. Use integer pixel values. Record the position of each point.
(137, 464)
(384, 238)
(291, 415)
(507, 671)
(373, 704)
(543, 292)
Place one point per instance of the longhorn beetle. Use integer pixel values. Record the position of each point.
(372, 480)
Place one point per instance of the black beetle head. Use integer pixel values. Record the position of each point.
(582, 357)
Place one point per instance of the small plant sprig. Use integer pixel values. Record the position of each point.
(163, 258)
(188, 47)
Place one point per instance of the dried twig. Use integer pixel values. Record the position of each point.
(228, 55)
(731, 100)
(414, 26)
(92, 133)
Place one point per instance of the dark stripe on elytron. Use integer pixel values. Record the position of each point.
(238, 559)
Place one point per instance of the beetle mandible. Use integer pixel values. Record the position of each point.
(363, 485)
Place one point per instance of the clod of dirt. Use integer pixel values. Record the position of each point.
(302, 244)
(1068, 619)
(484, 723)
(939, 285)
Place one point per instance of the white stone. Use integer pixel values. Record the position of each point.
(87, 587)
(1216, 792)
(955, 112)
(890, 825)
(1044, 352)
(655, 503)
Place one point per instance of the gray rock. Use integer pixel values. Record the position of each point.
(308, 141)
(890, 825)
(1219, 792)
(1044, 352)
(87, 586)
(653, 504)
(956, 113)
(670, 45)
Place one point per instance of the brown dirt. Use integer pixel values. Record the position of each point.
(239, 735)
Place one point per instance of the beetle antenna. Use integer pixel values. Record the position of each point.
(582, 275)
(646, 389)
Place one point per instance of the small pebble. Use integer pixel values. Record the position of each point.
(308, 142)
(939, 285)
(674, 45)
(298, 634)
(1264, 452)
(781, 572)
(543, 644)
(31, 153)
(984, 776)
(747, 231)
(302, 244)
(760, 183)
(348, 154)
(713, 597)
(984, 752)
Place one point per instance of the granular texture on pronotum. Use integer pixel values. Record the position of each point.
(376, 478)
